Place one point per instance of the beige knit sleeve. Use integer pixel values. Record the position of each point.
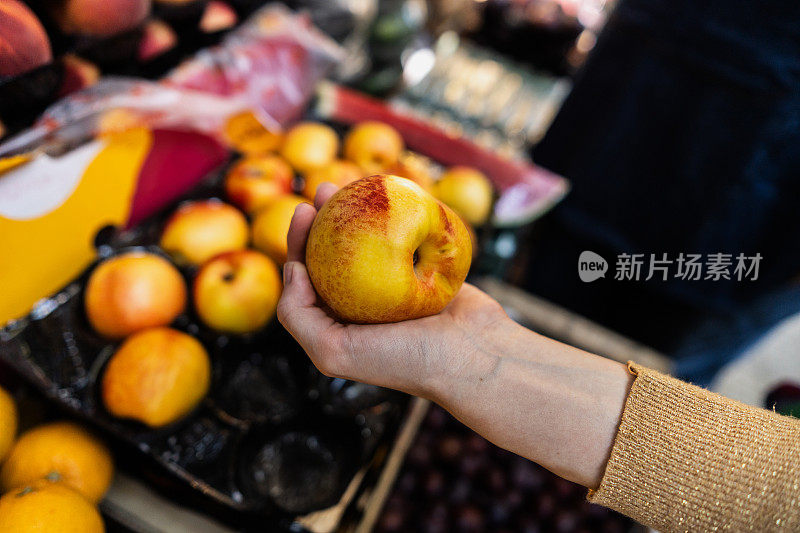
(686, 459)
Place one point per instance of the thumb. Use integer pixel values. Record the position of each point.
(297, 309)
(297, 288)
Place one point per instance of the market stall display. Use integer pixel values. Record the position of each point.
(144, 304)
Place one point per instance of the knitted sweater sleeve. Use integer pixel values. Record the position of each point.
(686, 459)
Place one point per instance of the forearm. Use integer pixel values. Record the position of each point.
(549, 402)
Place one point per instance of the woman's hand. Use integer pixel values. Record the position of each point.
(541, 399)
(417, 356)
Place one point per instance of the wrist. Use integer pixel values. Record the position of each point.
(467, 360)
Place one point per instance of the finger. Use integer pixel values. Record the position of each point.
(298, 232)
(324, 192)
(297, 309)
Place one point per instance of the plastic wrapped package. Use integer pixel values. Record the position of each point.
(272, 62)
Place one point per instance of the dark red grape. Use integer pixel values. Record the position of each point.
(434, 483)
(469, 519)
(449, 448)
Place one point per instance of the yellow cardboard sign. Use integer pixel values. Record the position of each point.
(52, 208)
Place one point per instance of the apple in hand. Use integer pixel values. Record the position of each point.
(384, 250)
(256, 181)
(133, 291)
(468, 192)
(237, 292)
(200, 230)
(374, 146)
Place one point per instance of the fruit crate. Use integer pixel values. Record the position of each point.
(273, 440)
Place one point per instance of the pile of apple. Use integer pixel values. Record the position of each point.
(159, 374)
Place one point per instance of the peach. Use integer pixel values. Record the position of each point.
(339, 172)
(101, 18)
(200, 230)
(23, 42)
(156, 377)
(271, 226)
(384, 250)
(237, 292)
(467, 191)
(374, 146)
(310, 145)
(256, 181)
(131, 292)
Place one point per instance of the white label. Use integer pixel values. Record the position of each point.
(43, 184)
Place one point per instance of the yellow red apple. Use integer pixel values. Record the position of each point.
(156, 377)
(310, 145)
(200, 230)
(237, 292)
(374, 146)
(256, 181)
(467, 191)
(271, 226)
(133, 291)
(384, 250)
(339, 172)
(23, 41)
(101, 18)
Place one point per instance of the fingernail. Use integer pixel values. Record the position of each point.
(288, 269)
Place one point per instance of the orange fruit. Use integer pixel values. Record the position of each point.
(47, 507)
(339, 172)
(271, 227)
(60, 451)
(8, 423)
(133, 291)
(310, 145)
(156, 377)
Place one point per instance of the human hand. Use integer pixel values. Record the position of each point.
(417, 356)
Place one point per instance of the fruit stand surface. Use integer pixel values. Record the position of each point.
(142, 510)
